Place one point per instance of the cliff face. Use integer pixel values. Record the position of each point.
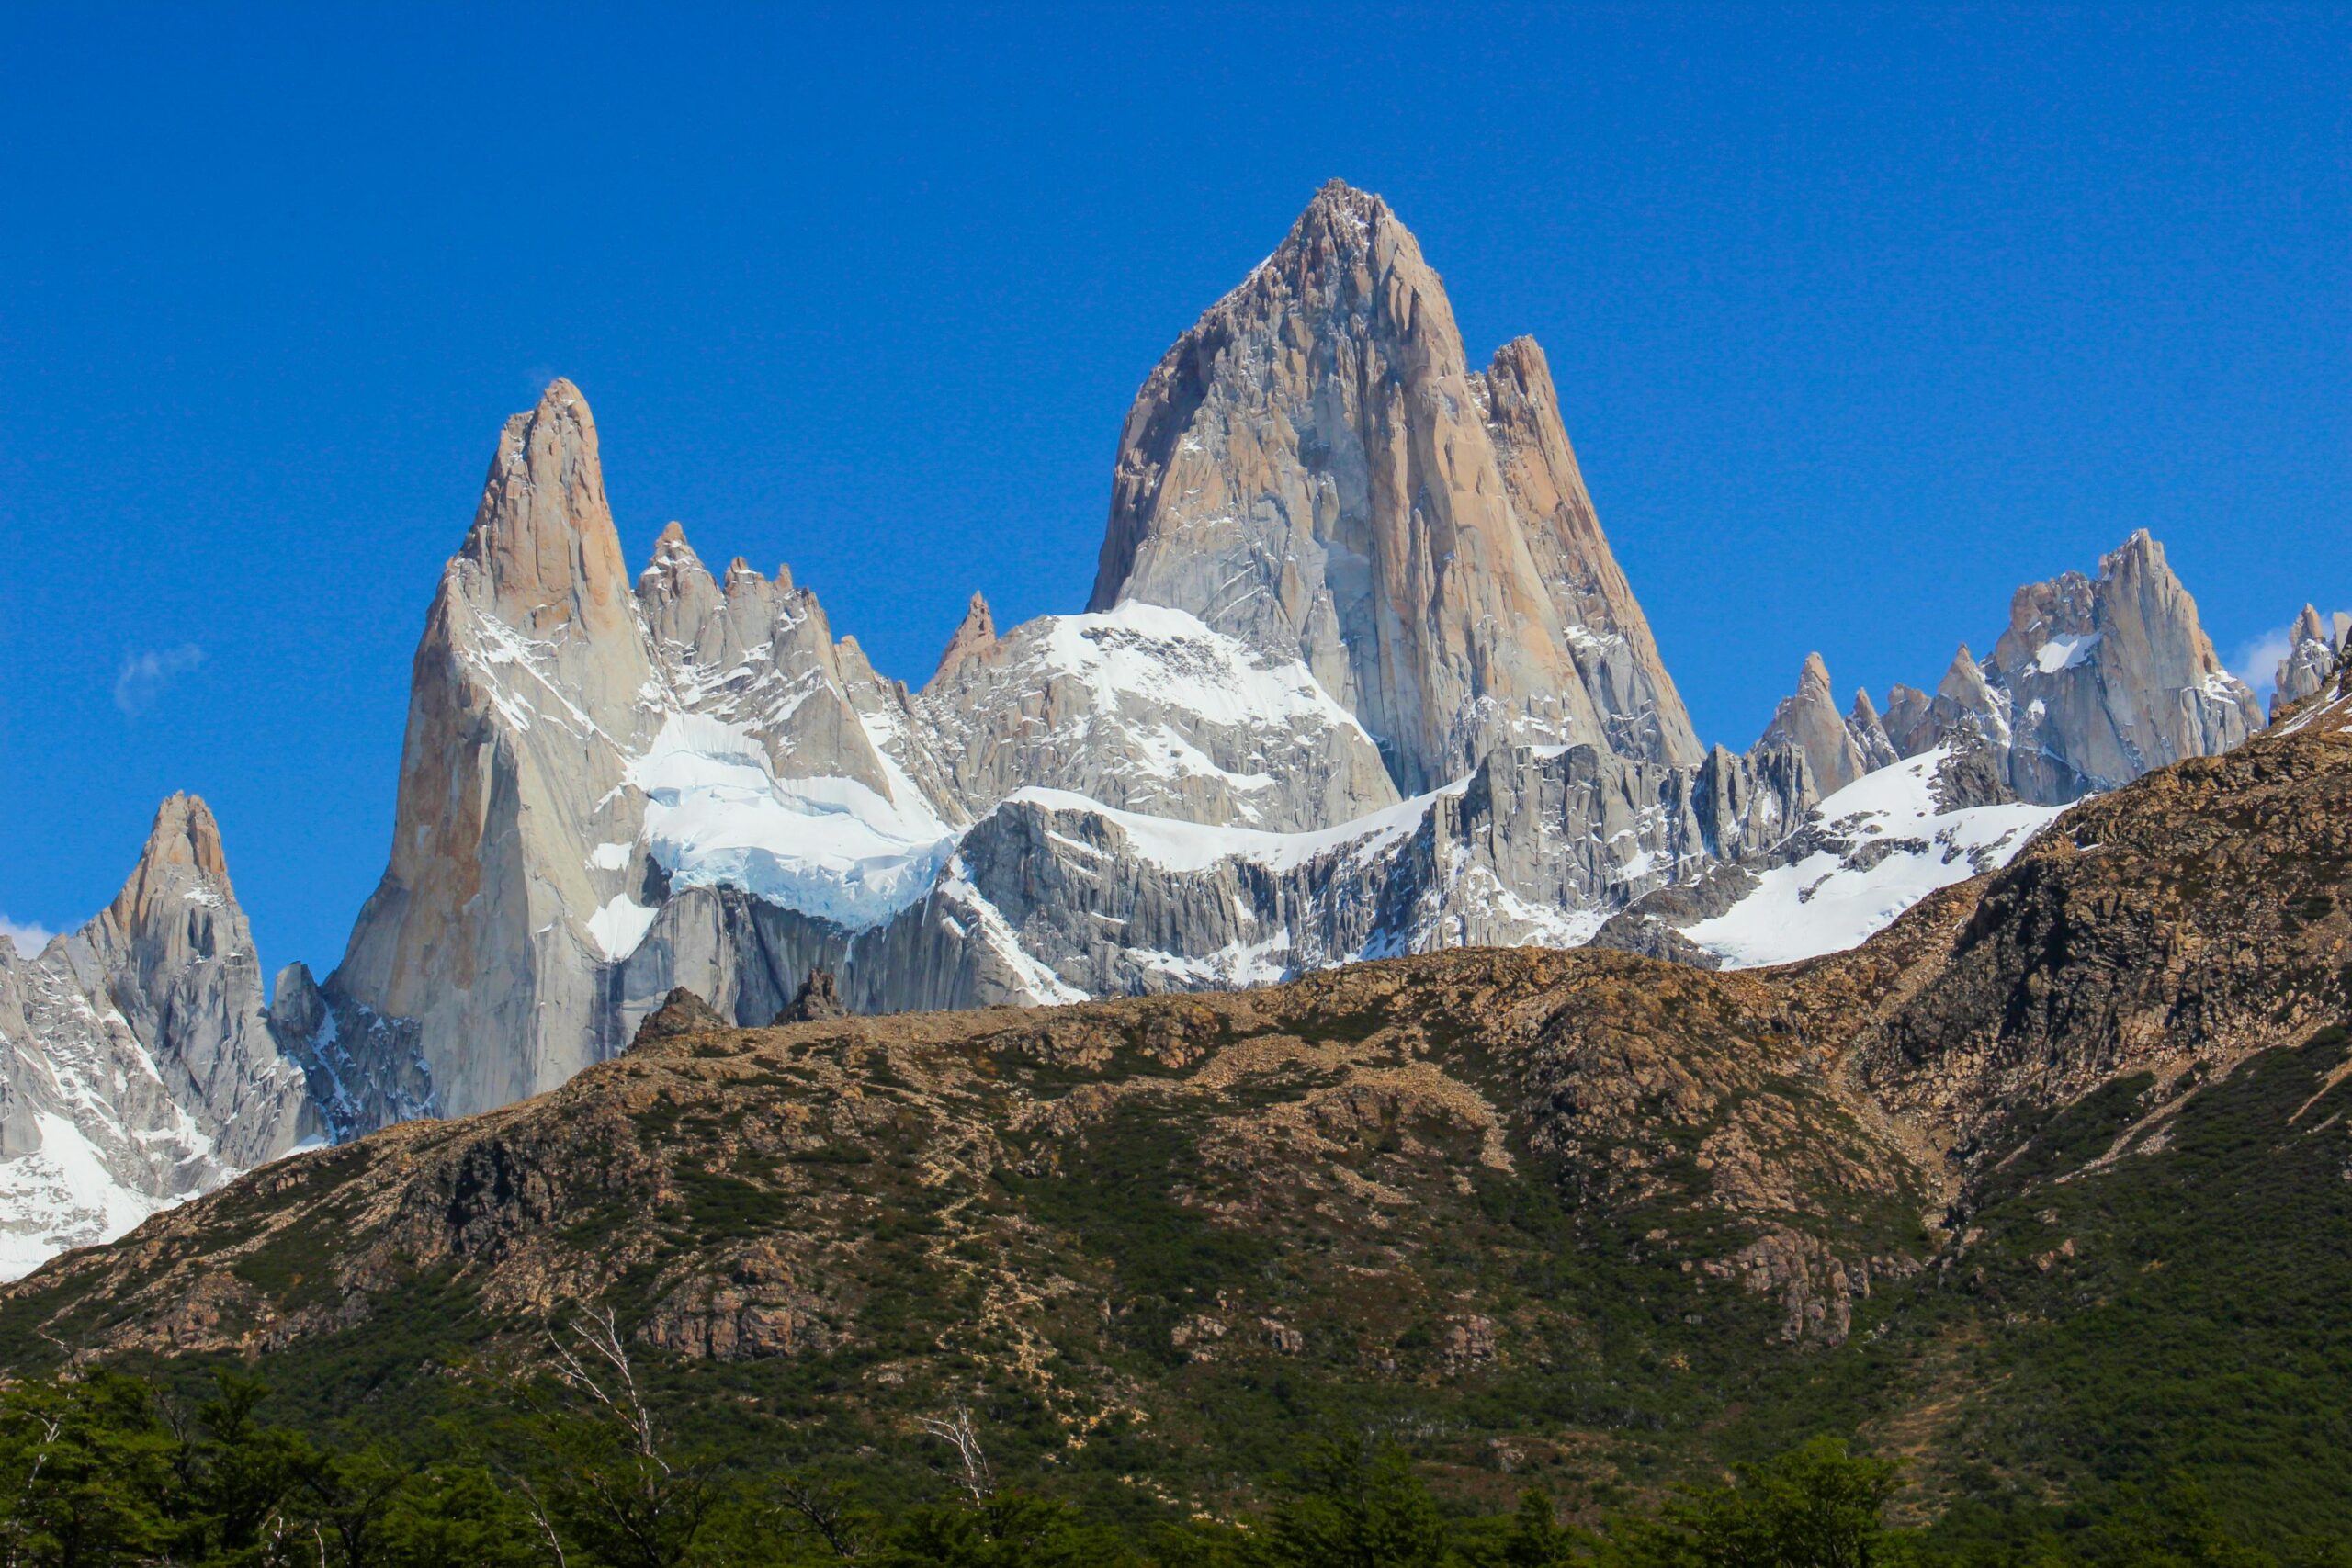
(2107, 679)
(137, 1063)
(1316, 469)
(2316, 644)
(532, 687)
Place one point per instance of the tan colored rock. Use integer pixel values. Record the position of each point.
(1810, 722)
(528, 695)
(1315, 469)
(975, 635)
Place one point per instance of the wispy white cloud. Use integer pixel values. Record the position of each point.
(30, 936)
(142, 680)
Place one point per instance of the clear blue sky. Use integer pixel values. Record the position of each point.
(1860, 318)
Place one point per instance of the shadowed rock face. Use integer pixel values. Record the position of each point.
(1316, 469)
(138, 1049)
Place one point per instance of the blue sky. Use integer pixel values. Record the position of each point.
(1860, 319)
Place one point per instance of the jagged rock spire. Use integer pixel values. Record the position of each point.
(974, 635)
(2314, 646)
(1315, 469)
(544, 532)
(525, 702)
(183, 850)
(1810, 722)
(135, 1053)
(1870, 732)
(2109, 678)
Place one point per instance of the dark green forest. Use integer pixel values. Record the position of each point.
(570, 1467)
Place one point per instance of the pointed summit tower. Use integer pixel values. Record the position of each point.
(526, 698)
(1315, 469)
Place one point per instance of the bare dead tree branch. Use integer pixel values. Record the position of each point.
(956, 1430)
(594, 1360)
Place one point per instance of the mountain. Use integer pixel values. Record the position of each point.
(2093, 683)
(1361, 677)
(138, 1066)
(610, 788)
(2057, 1154)
(1315, 469)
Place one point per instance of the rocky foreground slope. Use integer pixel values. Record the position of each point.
(1583, 1213)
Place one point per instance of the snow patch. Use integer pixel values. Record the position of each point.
(619, 927)
(2065, 652)
(1175, 845)
(1837, 897)
(717, 816)
(61, 1195)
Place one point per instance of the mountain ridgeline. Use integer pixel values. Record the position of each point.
(1360, 678)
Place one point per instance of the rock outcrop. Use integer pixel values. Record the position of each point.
(2106, 680)
(819, 997)
(1316, 470)
(137, 1062)
(2095, 682)
(2315, 647)
(1834, 750)
(975, 635)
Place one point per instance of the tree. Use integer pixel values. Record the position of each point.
(1532, 1538)
(1007, 1529)
(600, 1477)
(1815, 1506)
(240, 1476)
(1354, 1507)
(85, 1468)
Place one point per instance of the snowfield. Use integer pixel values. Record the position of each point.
(717, 816)
(1893, 847)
